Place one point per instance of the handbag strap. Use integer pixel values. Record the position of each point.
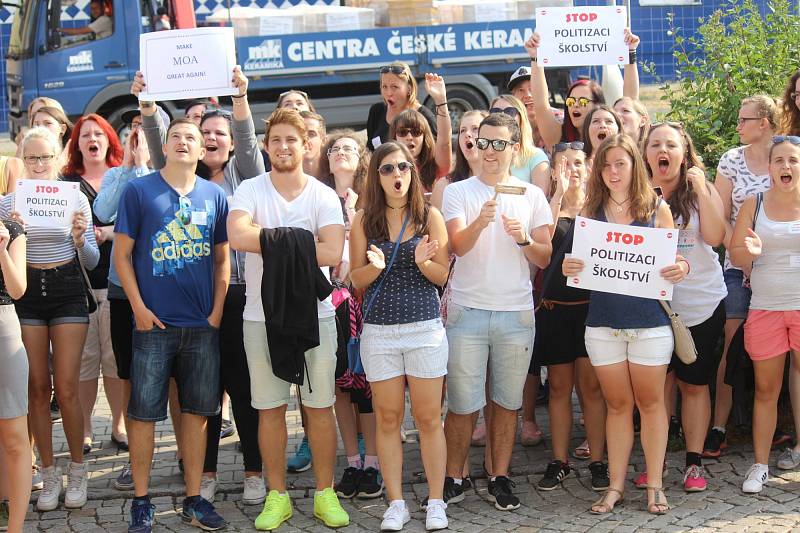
(386, 272)
(759, 200)
(667, 308)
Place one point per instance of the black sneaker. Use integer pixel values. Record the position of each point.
(555, 473)
(715, 443)
(600, 480)
(226, 429)
(348, 486)
(453, 493)
(500, 492)
(370, 485)
(466, 483)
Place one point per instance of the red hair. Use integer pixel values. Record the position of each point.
(74, 166)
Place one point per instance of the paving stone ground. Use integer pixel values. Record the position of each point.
(722, 508)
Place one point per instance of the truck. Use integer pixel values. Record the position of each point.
(339, 70)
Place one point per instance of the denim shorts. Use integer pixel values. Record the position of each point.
(194, 352)
(503, 340)
(416, 349)
(737, 302)
(54, 296)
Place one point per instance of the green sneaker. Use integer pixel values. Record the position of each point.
(4, 516)
(328, 509)
(277, 510)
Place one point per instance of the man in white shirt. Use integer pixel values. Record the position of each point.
(496, 237)
(101, 25)
(288, 197)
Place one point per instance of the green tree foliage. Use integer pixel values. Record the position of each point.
(740, 52)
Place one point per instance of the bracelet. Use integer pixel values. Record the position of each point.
(237, 96)
(688, 266)
(632, 57)
(440, 105)
(534, 60)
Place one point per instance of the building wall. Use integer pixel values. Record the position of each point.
(650, 22)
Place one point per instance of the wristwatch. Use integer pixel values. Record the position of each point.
(524, 244)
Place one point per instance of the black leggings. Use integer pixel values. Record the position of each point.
(235, 380)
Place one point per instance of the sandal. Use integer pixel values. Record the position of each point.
(602, 506)
(659, 504)
(582, 451)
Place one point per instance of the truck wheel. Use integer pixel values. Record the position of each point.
(460, 99)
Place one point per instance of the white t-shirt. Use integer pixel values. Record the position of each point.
(102, 26)
(494, 275)
(316, 207)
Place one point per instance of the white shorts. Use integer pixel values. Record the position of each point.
(645, 346)
(416, 349)
(268, 391)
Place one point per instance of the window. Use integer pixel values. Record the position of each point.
(75, 25)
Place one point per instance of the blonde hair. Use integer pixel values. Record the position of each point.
(766, 107)
(408, 77)
(47, 136)
(527, 148)
(45, 102)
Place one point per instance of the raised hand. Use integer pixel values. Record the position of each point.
(562, 177)
(375, 257)
(425, 250)
(434, 85)
(240, 81)
(532, 45)
(138, 84)
(631, 40)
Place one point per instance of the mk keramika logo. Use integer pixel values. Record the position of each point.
(184, 240)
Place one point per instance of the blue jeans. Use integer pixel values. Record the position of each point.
(191, 355)
(501, 339)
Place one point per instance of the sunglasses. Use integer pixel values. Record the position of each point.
(393, 69)
(35, 159)
(184, 212)
(778, 139)
(582, 101)
(217, 112)
(388, 168)
(301, 93)
(563, 147)
(670, 123)
(498, 145)
(510, 111)
(403, 132)
(346, 150)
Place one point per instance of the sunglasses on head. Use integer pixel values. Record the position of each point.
(217, 112)
(403, 132)
(393, 69)
(794, 139)
(498, 145)
(510, 111)
(562, 147)
(582, 101)
(387, 169)
(301, 93)
(346, 150)
(670, 123)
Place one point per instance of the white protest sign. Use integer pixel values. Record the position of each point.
(185, 64)
(623, 259)
(46, 203)
(581, 36)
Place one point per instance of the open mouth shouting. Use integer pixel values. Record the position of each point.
(663, 164)
(786, 177)
(94, 150)
(398, 185)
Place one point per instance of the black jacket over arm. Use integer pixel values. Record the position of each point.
(291, 286)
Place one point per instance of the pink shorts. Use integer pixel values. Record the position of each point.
(768, 334)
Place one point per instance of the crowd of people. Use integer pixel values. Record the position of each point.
(202, 267)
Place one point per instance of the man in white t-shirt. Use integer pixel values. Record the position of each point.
(490, 315)
(101, 25)
(288, 197)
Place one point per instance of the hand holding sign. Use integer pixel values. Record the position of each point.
(78, 228)
(632, 41)
(375, 257)
(571, 266)
(675, 273)
(753, 243)
(240, 81)
(583, 35)
(532, 44)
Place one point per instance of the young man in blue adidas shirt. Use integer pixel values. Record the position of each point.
(171, 254)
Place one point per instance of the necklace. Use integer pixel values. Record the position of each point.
(401, 207)
(619, 204)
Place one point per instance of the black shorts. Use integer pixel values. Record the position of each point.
(122, 335)
(54, 296)
(706, 336)
(559, 334)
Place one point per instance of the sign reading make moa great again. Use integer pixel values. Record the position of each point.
(186, 64)
(581, 36)
(623, 259)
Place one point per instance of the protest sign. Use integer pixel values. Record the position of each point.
(186, 64)
(46, 203)
(581, 36)
(623, 259)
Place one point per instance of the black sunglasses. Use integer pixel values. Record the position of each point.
(388, 168)
(794, 139)
(217, 112)
(498, 145)
(562, 147)
(403, 132)
(510, 111)
(393, 69)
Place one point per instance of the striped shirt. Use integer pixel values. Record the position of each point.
(52, 245)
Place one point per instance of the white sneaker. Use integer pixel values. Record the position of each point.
(755, 478)
(436, 518)
(77, 486)
(396, 516)
(52, 485)
(208, 488)
(36, 478)
(254, 490)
